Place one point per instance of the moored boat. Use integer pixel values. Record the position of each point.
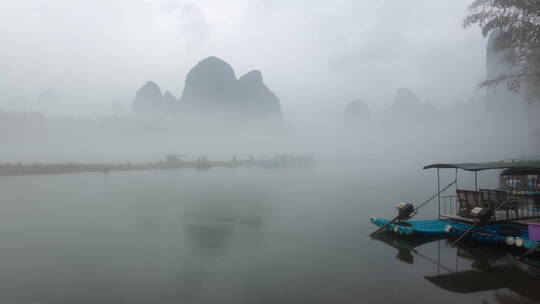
(415, 227)
(494, 216)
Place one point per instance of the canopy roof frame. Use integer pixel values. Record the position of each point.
(513, 166)
(474, 167)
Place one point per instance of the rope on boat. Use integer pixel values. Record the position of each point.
(431, 198)
(383, 227)
(533, 249)
(473, 227)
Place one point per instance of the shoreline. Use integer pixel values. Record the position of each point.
(73, 168)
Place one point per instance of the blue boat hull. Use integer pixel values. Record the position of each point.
(489, 234)
(418, 227)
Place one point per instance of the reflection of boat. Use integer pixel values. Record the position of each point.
(507, 276)
(406, 246)
(481, 268)
(494, 216)
(397, 242)
(490, 270)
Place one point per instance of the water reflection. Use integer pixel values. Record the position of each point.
(405, 246)
(209, 239)
(149, 215)
(474, 268)
(215, 230)
(211, 225)
(218, 237)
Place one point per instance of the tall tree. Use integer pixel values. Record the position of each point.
(517, 27)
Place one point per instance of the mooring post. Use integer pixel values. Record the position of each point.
(475, 180)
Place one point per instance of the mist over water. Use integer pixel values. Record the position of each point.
(217, 236)
(33, 137)
(221, 116)
(235, 152)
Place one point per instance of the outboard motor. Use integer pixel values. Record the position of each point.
(481, 215)
(404, 210)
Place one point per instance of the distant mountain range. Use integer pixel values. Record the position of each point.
(406, 105)
(212, 89)
(357, 111)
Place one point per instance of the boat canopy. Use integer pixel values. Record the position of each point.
(521, 171)
(510, 165)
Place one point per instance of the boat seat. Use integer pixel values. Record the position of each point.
(497, 199)
(468, 200)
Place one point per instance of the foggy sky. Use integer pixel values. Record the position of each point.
(315, 55)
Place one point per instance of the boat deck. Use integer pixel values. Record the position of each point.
(499, 220)
(420, 227)
(527, 221)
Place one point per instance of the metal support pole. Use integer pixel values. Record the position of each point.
(455, 200)
(439, 257)
(457, 261)
(476, 180)
(439, 191)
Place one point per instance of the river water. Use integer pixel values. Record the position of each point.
(241, 235)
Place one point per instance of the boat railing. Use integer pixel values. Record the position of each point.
(448, 205)
(526, 206)
(516, 206)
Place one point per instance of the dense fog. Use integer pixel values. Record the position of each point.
(348, 81)
(269, 151)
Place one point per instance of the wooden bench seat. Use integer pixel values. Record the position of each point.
(498, 200)
(468, 200)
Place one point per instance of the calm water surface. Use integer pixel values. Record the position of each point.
(237, 236)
